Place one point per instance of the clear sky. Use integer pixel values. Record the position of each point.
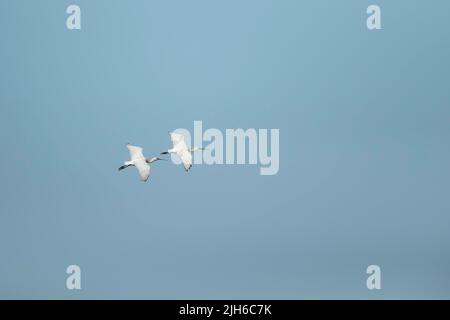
(364, 149)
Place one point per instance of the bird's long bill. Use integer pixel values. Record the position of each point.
(165, 152)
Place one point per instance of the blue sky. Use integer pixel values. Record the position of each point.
(364, 153)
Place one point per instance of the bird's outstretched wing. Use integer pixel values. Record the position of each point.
(135, 152)
(143, 168)
(186, 158)
(176, 138)
(181, 149)
(179, 144)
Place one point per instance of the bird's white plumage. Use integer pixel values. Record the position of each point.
(186, 158)
(176, 137)
(143, 168)
(139, 161)
(181, 149)
(135, 152)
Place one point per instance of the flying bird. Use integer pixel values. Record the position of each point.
(139, 161)
(181, 149)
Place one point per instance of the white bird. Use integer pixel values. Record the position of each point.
(139, 161)
(181, 149)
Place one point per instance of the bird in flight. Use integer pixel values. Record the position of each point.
(181, 149)
(139, 161)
